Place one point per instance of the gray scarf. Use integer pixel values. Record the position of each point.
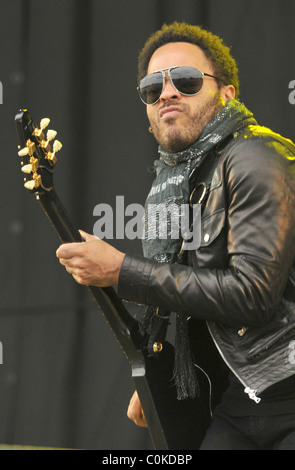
(171, 189)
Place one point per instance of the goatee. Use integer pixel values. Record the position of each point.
(176, 139)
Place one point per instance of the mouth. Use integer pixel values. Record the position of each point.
(169, 111)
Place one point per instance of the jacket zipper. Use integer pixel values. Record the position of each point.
(210, 388)
(250, 392)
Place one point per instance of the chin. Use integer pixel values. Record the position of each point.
(176, 141)
(175, 146)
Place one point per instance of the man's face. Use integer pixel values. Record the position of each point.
(178, 120)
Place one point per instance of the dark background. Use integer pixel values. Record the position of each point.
(65, 381)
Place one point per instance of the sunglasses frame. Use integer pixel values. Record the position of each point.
(168, 69)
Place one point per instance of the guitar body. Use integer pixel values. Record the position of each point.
(173, 424)
(184, 421)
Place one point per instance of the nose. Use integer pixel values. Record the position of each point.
(169, 92)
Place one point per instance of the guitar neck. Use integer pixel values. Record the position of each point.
(124, 326)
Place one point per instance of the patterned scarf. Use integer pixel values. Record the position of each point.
(170, 189)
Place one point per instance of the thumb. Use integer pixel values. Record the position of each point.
(87, 237)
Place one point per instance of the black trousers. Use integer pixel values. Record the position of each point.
(250, 433)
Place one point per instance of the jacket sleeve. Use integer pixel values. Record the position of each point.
(258, 184)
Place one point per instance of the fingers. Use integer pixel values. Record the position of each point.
(93, 262)
(135, 411)
(67, 250)
(69, 257)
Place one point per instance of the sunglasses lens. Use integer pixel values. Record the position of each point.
(187, 80)
(150, 88)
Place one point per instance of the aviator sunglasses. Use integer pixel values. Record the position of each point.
(186, 80)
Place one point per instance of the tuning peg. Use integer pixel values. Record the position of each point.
(51, 156)
(35, 163)
(30, 185)
(31, 146)
(57, 145)
(38, 133)
(44, 123)
(28, 150)
(51, 134)
(23, 152)
(27, 169)
(31, 167)
(33, 183)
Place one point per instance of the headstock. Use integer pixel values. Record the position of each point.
(37, 150)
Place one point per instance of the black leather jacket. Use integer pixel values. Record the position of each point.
(241, 279)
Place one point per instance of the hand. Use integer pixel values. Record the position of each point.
(92, 262)
(135, 411)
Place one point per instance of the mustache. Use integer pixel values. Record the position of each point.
(183, 107)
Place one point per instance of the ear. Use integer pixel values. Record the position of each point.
(227, 92)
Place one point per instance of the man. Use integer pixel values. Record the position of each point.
(240, 280)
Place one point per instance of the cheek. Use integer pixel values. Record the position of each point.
(150, 114)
